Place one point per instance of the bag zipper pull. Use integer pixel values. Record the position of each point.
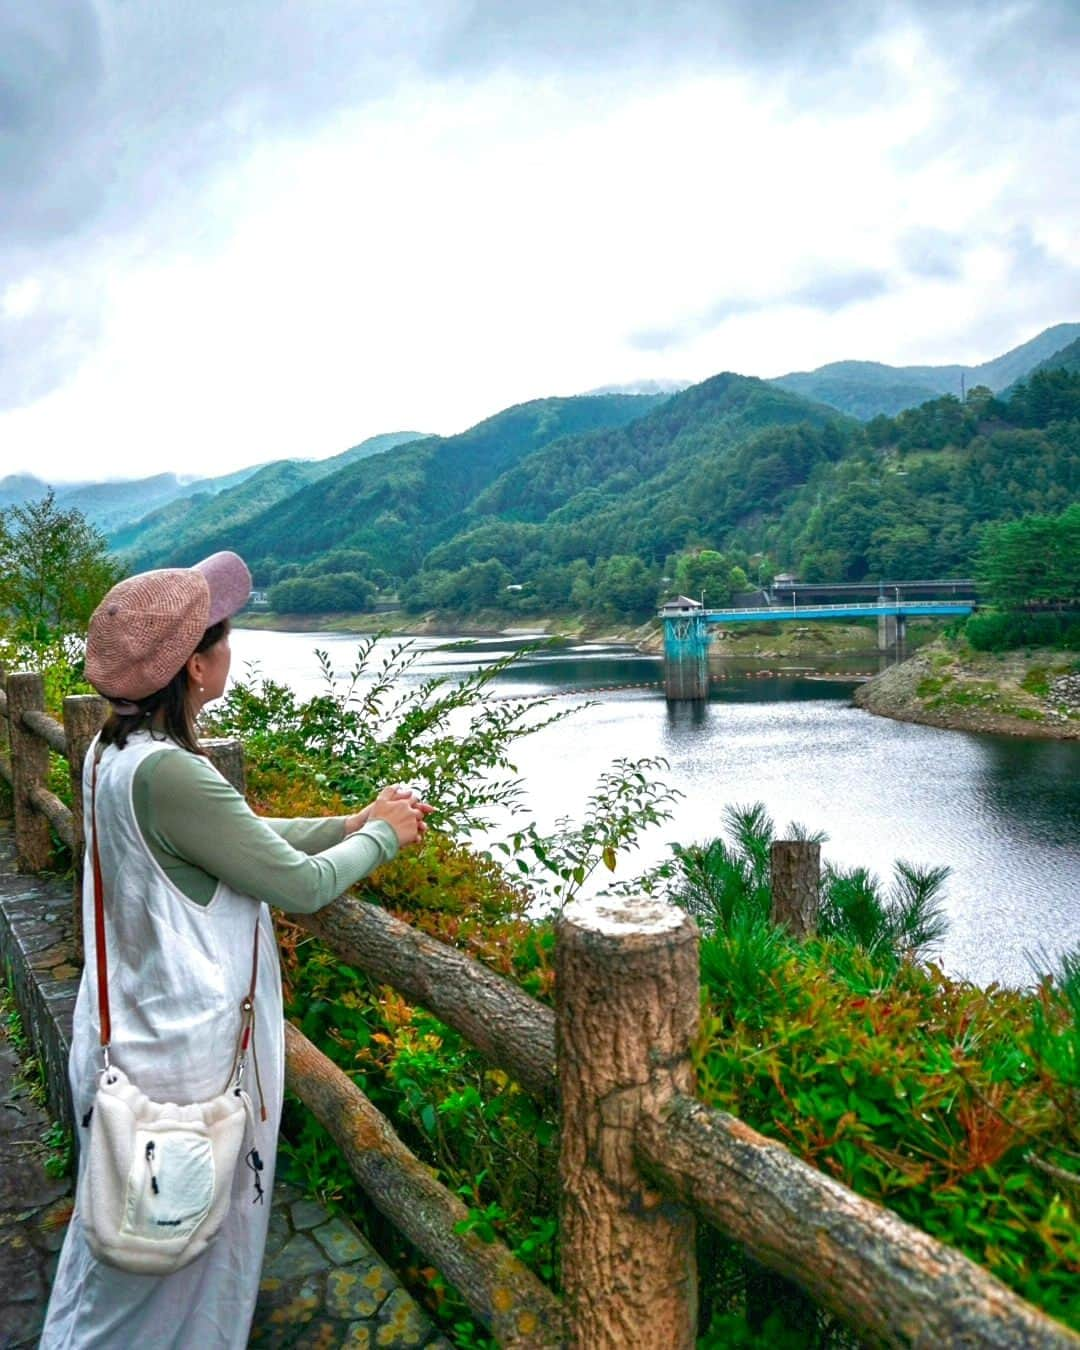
(150, 1163)
(256, 1164)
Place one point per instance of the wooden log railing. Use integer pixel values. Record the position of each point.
(639, 1157)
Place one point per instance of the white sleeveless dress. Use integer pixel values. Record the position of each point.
(178, 971)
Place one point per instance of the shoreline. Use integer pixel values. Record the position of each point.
(399, 624)
(812, 641)
(1033, 695)
(941, 683)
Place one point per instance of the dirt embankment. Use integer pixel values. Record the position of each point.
(1033, 693)
(765, 641)
(484, 624)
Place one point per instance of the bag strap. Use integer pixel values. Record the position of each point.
(104, 1019)
(247, 1007)
(247, 1032)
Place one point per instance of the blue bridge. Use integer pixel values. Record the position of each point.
(884, 609)
(687, 622)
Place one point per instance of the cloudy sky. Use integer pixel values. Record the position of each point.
(235, 231)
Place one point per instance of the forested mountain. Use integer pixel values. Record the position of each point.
(604, 502)
(914, 499)
(395, 507)
(601, 514)
(866, 388)
(704, 419)
(1066, 359)
(110, 506)
(182, 528)
(754, 484)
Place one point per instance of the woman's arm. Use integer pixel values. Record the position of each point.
(314, 834)
(201, 830)
(309, 835)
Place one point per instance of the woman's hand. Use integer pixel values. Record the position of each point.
(401, 808)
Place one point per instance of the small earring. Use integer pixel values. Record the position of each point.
(201, 689)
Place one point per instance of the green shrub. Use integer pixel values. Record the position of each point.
(449, 739)
(1000, 630)
(1036, 681)
(727, 886)
(955, 1107)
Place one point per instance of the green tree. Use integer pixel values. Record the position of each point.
(581, 585)
(704, 571)
(625, 584)
(54, 568)
(1032, 562)
(485, 584)
(825, 564)
(339, 560)
(901, 551)
(337, 591)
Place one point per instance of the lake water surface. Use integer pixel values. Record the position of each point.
(1002, 813)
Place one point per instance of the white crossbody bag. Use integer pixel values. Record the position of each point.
(158, 1176)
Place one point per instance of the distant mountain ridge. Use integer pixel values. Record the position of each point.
(112, 505)
(123, 509)
(181, 528)
(643, 387)
(397, 507)
(585, 477)
(864, 389)
(1066, 359)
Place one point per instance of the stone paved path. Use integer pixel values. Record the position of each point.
(323, 1285)
(34, 1208)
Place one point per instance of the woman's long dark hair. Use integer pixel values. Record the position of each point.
(167, 711)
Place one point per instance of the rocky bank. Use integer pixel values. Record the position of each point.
(1034, 693)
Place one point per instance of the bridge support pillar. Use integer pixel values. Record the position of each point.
(891, 631)
(686, 659)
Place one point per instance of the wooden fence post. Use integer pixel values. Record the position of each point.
(30, 768)
(627, 996)
(796, 885)
(5, 739)
(227, 756)
(795, 870)
(84, 716)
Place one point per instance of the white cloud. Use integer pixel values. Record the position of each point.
(21, 298)
(462, 243)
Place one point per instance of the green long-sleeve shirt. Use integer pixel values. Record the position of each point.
(200, 830)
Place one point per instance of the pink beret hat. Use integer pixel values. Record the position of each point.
(148, 625)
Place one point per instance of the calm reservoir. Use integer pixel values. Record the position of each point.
(1002, 813)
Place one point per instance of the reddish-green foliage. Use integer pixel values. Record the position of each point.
(936, 1099)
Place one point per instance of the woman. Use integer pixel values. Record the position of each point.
(187, 869)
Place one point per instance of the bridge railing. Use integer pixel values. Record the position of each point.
(885, 606)
(640, 1159)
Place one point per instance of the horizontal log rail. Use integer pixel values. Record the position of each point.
(55, 812)
(512, 1030)
(636, 1152)
(48, 728)
(502, 1292)
(891, 1281)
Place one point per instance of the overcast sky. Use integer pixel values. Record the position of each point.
(235, 231)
